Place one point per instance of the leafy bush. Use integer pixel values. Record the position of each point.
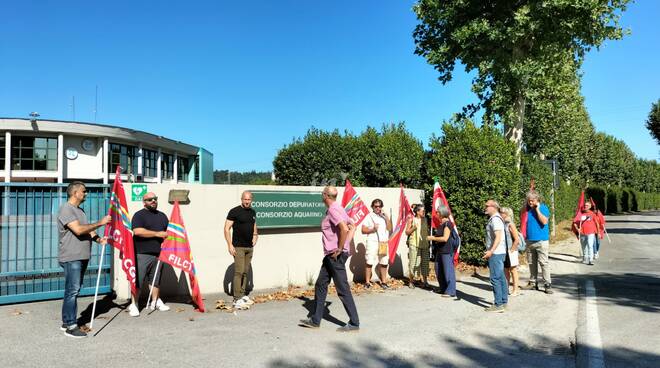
(613, 200)
(598, 194)
(474, 164)
(566, 201)
(382, 158)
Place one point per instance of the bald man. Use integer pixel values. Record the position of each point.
(337, 232)
(241, 236)
(149, 231)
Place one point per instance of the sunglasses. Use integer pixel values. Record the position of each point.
(152, 199)
(378, 206)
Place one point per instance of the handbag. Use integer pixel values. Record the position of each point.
(382, 248)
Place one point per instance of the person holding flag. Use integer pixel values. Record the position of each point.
(377, 226)
(537, 234)
(149, 231)
(586, 224)
(74, 249)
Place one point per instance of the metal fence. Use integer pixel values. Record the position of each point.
(29, 269)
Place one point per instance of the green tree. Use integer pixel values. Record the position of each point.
(384, 158)
(391, 157)
(509, 43)
(653, 122)
(474, 164)
(319, 158)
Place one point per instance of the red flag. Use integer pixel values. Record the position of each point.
(578, 212)
(438, 199)
(352, 203)
(599, 217)
(119, 233)
(405, 212)
(524, 212)
(175, 250)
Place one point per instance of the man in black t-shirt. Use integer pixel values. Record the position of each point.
(241, 236)
(149, 230)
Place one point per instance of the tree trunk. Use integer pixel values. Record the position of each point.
(514, 128)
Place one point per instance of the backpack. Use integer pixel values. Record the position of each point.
(522, 246)
(454, 240)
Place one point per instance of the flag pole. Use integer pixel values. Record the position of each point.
(153, 282)
(96, 292)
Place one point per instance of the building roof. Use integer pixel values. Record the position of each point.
(79, 128)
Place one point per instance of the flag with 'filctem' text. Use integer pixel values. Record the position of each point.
(175, 250)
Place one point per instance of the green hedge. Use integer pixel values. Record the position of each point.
(474, 164)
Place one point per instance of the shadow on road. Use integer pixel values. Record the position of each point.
(633, 290)
(486, 351)
(634, 231)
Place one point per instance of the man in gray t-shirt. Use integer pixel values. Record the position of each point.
(495, 254)
(74, 248)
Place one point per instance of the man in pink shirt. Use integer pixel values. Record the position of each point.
(337, 232)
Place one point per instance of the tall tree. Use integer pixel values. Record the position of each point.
(509, 42)
(653, 122)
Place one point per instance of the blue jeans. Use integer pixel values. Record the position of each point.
(587, 241)
(444, 269)
(597, 245)
(497, 279)
(73, 279)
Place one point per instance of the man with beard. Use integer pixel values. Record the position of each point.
(149, 231)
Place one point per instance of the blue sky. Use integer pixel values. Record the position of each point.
(242, 79)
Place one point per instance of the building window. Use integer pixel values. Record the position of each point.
(150, 162)
(2, 152)
(196, 168)
(124, 156)
(183, 168)
(34, 153)
(167, 167)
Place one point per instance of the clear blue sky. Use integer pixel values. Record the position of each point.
(242, 79)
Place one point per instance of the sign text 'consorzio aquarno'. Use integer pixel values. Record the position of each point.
(288, 209)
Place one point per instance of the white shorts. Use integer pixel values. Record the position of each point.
(513, 258)
(371, 256)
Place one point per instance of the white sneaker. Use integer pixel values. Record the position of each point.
(240, 304)
(158, 304)
(596, 255)
(246, 299)
(133, 310)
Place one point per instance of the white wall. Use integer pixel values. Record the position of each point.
(88, 164)
(281, 257)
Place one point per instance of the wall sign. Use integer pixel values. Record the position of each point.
(279, 209)
(138, 191)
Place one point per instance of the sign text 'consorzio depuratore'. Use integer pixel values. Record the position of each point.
(288, 209)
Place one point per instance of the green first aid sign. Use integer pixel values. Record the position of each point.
(288, 209)
(138, 191)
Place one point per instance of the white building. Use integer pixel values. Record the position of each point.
(51, 151)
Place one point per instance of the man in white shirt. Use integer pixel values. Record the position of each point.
(496, 250)
(377, 226)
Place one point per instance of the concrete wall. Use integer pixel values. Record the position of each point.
(281, 257)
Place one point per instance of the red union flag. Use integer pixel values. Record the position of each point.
(440, 199)
(404, 214)
(352, 203)
(119, 233)
(175, 250)
(524, 213)
(578, 213)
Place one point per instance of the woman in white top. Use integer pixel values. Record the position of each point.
(377, 226)
(513, 240)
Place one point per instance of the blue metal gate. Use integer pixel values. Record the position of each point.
(29, 269)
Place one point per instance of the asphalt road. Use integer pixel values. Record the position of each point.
(626, 280)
